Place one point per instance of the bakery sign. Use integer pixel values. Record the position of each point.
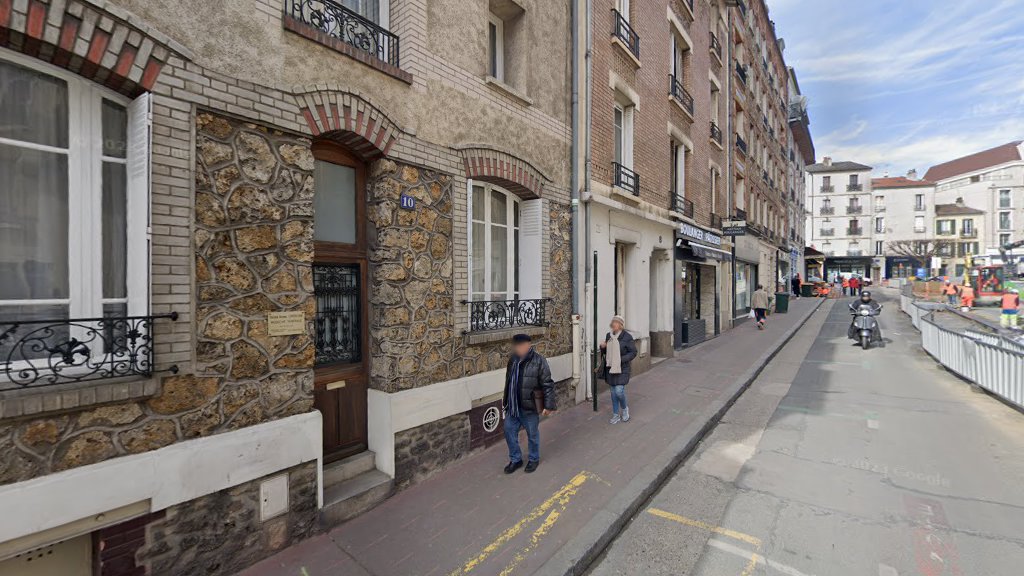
(700, 235)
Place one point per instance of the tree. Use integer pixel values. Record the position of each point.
(922, 251)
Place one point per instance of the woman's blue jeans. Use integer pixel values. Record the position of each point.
(618, 398)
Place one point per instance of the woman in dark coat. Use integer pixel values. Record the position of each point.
(619, 350)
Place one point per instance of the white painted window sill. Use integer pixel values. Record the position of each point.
(507, 90)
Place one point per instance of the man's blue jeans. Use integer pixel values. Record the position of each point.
(530, 421)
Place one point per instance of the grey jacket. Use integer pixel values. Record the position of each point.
(627, 349)
(759, 299)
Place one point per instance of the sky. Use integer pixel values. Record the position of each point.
(902, 84)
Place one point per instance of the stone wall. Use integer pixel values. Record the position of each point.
(253, 242)
(426, 449)
(410, 252)
(221, 533)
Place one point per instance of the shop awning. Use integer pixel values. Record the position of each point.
(709, 252)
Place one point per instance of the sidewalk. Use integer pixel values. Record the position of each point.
(473, 519)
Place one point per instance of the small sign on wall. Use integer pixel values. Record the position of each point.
(407, 202)
(286, 323)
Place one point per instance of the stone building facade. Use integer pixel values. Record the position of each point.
(241, 120)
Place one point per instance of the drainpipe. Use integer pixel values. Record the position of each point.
(590, 324)
(574, 188)
(730, 191)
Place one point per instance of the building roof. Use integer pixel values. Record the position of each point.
(979, 161)
(838, 167)
(955, 210)
(899, 182)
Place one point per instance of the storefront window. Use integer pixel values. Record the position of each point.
(746, 283)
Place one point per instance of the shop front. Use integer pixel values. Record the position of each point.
(698, 254)
(746, 270)
(847, 267)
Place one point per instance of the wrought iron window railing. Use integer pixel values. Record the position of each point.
(741, 71)
(742, 6)
(828, 188)
(741, 144)
(681, 205)
(624, 32)
(855, 231)
(716, 132)
(716, 46)
(740, 214)
(338, 325)
(625, 178)
(969, 233)
(854, 209)
(854, 187)
(502, 314)
(827, 232)
(59, 351)
(677, 91)
(827, 210)
(337, 21)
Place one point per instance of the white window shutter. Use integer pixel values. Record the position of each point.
(531, 249)
(140, 114)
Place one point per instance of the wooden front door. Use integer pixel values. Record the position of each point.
(340, 283)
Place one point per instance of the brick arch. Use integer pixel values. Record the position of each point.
(349, 120)
(101, 45)
(498, 167)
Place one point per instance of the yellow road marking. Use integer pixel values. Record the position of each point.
(535, 539)
(562, 497)
(750, 566)
(753, 540)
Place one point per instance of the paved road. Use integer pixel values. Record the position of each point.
(840, 461)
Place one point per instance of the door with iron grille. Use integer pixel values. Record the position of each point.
(339, 286)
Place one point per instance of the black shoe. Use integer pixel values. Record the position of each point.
(531, 466)
(513, 466)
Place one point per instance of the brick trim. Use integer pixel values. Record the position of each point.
(349, 120)
(83, 38)
(498, 167)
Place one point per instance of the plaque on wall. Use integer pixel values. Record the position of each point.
(286, 323)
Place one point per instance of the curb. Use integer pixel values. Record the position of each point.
(575, 557)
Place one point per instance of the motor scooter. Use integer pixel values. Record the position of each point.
(865, 327)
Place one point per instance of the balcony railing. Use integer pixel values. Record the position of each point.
(919, 229)
(716, 46)
(742, 7)
(49, 352)
(503, 314)
(969, 233)
(854, 252)
(741, 71)
(764, 175)
(854, 231)
(854, 209)
(740, 214)
(716, 221)
(827, 210)
(624, 32)
(827, 232)
(716, 132)
(879, 207)
(625, 178)
(677, 91)
(681, 205)
(854, 187)
(339, 22)
(828, 188)
(919, 207)
(741, 144)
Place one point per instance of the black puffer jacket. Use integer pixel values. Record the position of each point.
(535, 374)
(627, 352)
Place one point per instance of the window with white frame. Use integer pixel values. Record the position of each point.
(1004, 239)
(506, 243)
(496, 47)
(879, 225)
(622, 127)
(1004, 221)
(623, 7)
(679, 161)
(679, 53)
(919, 224)
(1004, 199)
(74, 204)
(879, 247)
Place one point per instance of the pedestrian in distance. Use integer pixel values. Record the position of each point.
(529, 394)
(619, 350)
(796, 285)
(855, 286)
(949, 290)
(846, 286)
(1010, 305)
(759, 302)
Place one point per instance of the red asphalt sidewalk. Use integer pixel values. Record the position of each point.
(471, 518)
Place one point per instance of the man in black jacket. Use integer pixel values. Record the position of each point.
(528, 389)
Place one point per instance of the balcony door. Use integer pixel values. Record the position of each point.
(339, 286)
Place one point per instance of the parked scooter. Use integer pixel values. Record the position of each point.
(864, 327)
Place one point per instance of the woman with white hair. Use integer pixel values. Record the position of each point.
(619, 350)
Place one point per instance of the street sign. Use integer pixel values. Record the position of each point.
(734, 228)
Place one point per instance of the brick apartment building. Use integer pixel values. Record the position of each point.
(655, 196)
(761, 144)
(309, 231)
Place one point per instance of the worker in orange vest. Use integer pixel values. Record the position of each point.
(846, 286)
(950, 291)
(967, 296)
(1010, 304)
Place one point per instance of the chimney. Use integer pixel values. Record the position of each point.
(960, 201)
(912, 174)
(827, 161)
